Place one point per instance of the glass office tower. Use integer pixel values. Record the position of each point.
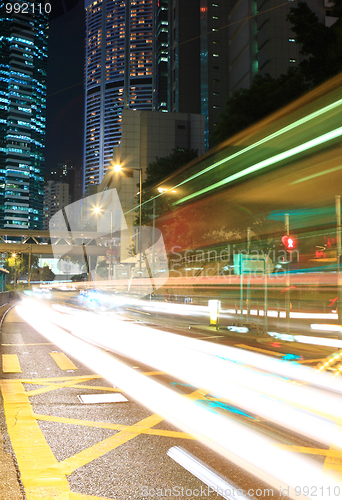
(118, 75)
(23, 59)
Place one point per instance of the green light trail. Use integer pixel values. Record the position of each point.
(316, 175)
(266, 163)
(283, 130)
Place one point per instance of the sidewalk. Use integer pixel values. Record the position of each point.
(10, 487)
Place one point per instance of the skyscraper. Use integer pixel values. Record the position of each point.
(261, 40)
(161, 55)
(199, 63)
(118, 75)
(23, 57)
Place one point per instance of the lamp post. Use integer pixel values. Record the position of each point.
(14, 255)
(97, 210)
(119, 168)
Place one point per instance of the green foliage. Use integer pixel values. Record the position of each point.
(102, 269)
(164, 166)
(321, 44)
(265, 95)
(158, 170)
(47, 274)
(322, 47)
(18, 265)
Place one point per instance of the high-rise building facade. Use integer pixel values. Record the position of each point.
(23, 59)
(261, 40)
(161, 59)
(118, 75)
(198, 66)
(56, 197)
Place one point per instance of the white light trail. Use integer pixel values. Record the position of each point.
(261, 457)
(212, 479)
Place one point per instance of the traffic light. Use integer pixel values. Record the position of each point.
(289, 242)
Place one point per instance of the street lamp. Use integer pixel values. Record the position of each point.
(98, 210)
(15, 269)
(119, 168)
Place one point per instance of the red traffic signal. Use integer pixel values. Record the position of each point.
(289, 242)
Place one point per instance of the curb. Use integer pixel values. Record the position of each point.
(10, 485)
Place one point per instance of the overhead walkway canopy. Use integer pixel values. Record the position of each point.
(3, 273)
(40, 243)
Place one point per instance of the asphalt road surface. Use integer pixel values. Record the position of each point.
(70, 442)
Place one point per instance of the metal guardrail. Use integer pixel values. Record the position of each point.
(6, 297)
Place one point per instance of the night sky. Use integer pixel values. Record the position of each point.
(65, 89)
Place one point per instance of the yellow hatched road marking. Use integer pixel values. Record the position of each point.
(118, 427)
(302, 361)
(10, 363)
(54, 386)
(69, 465)
(136, 311)
(95, 387)
(63, 362)
(274, 353)
(333, 461)
(35, 459)
(38, 343)
(333, 455)
(72, 377)
(42, 475)
(304, 449)
(58, 379)
(150, 374)
(82, 496)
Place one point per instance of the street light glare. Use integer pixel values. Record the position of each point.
(117, 168)
(97, 210)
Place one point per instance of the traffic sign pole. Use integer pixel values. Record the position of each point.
(287, 292)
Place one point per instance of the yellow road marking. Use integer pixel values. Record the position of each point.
(40, 381)
(302, 361)
(54, 386)
(36, 461)
(149, 374)
(10, 363)
(38, 343)
(70, 464)
(137, 429)
(136, 311)
(305, 449)
(63, 362)
(58, 379)
(333, 461)
(274, 353)
(95, 388)
(41, 474)
(82, 496)
(210, 337)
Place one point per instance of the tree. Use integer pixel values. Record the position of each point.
(158, 170)
(47, 274)
(18, 265)
(322, 47)
(102, 269)
(166, 165)
(321, 44)
(265, 95)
